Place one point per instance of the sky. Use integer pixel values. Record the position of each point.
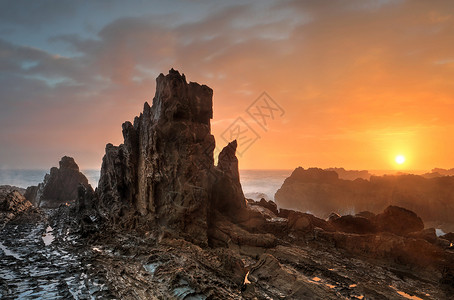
(345, 83)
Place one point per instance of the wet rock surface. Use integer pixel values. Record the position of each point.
(39, 262)
(116, 265)
(165, 223)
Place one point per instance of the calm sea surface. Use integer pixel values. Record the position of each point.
(256, 183)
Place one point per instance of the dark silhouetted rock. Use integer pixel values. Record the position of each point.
(399, 249)
(333, 216)
(449, 236)
(31, 194)
(59, 186)
(284, 213)
(366, 214)
(313, 175)
(303, 222)
(299, 222)
(227, 194)
(321, 193)
(160, 175)
(353, 224)
(269, 205)
(163, 175)
(350, 174)
(427, 234)
(399, 221)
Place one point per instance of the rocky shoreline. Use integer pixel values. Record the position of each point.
(166, 223)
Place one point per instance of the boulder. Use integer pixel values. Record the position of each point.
(284, 213)
(333, 216)
(398, 220)
(12, 203)
(353, 224)
(269, 205)
(299, 222)
(449, 236)
(59, 186)
(366, 214)
(427, 234)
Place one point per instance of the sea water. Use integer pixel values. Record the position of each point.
(256, 183)
(26, 178)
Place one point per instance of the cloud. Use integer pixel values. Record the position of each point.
(32, 14)
(336, 65)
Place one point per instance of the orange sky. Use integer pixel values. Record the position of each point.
(359, 82)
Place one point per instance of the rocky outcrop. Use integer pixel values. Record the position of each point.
(350, 174)
(12, 203)
(269, 205)
(353, 224)
(227, 194)
(398, 220)
(163, 175)
(60, 186)
(322, 192)
(427, 234)
(366, 214)
(449, 236)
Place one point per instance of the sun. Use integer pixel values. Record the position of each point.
(400, 159)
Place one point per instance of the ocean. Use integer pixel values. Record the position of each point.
(256, 183)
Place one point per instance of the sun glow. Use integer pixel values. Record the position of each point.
(400, 159)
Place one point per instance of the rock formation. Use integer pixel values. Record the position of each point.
(322, 192)
(163, 175)
(398, 220)
(228, 196)
(353, 224)
(12, 203)
(350, 174)
(59, 186)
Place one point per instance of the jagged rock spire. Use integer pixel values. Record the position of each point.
(160, 175)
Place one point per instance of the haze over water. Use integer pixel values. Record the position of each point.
(256, 183)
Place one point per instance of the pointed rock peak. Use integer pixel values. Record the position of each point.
(59, 186)
(173, 75)
(227, 160)
(67, 162)
(160, 175)
(146, 106)
(232, 145)
(176, 100)
(228, 197)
